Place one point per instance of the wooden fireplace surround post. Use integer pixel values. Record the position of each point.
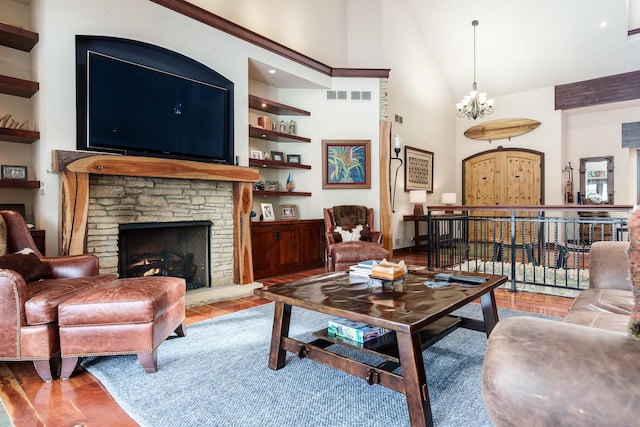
(75, 167)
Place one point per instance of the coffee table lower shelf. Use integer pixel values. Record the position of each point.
(386, 346)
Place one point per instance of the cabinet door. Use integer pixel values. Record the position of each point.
(311, 244)
(264, 249)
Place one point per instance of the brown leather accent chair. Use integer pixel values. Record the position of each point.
(29, 308)
(584, 370)
(342, 254)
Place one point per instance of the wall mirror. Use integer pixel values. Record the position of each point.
(596, 180)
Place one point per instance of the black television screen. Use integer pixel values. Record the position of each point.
(141, 110)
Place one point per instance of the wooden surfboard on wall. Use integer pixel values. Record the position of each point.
(501, 129)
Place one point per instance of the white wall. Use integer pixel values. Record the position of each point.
(596, 132)
(148, 22)
(547, 138)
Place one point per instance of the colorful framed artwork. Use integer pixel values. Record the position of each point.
(418, 169)
(346, 164)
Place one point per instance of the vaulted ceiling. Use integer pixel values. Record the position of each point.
(523, 45)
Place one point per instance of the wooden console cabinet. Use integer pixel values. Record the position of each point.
(284, 247)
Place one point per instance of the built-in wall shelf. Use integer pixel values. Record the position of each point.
(19, 135)
(280, 193)
(19, 184)
(271, 135)
(268, 106)
(18, 87)
(272, 164)
(17, 38)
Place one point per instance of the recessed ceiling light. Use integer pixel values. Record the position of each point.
(603, 24)
(272, 71)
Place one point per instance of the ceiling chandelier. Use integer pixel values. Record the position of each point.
(475, 104)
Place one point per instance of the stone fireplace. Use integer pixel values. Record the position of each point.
(117, 201)
(102, 191)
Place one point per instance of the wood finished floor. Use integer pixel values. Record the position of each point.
(82, 401)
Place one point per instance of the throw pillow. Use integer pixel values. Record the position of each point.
(3, 236)
(347, 234)
(28, 266)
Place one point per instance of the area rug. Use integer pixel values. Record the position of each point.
(218, 376)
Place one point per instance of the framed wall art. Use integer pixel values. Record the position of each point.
(418, 169)
(346, 164)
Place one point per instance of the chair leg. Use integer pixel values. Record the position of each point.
(181, 330)
(69, 365)
(45, 368)
(149, 361)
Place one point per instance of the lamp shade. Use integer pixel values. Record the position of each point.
(449, 198)
(418, 196)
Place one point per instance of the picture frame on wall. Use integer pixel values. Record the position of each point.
(288, 212)
(418, 169)
(346, 164)
(18, 173)
(267, 212)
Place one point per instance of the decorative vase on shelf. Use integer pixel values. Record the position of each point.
(290, 185)
(292, 127)
(283, 126)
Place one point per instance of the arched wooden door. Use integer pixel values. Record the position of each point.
(503, 177)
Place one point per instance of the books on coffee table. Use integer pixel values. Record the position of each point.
(355, 331)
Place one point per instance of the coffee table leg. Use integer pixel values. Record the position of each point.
(281, 320)
(415, 380)
(489, 311)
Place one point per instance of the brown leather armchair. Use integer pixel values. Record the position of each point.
(29, 310)
(342, 254)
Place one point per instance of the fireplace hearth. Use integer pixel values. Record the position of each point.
(173, 249)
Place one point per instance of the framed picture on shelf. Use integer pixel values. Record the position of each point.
(293, 158)
(288, 212)
(267, 212)
(346, 164)
(18, 173)
(256, 154)
(277, 156)
(418, 169)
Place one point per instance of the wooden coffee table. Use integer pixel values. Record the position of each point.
(418, 316)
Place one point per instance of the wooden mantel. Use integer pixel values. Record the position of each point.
(76, 166)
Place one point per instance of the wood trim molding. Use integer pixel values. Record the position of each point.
(604, 90)
(386, 216)
(76, 166)
(192, 11)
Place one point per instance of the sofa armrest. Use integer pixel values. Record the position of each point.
(13, 294)
(72, 266)
(546, 373)
(609, 265)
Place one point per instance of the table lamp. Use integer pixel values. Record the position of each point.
(418, 198)
(448, 199)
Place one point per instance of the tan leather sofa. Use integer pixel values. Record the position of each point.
(583, 371)
(29, 308)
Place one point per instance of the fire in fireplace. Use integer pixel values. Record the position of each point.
(174, 249)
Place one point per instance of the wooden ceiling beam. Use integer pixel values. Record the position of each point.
(604, 90)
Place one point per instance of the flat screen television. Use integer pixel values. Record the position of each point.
(138, 109)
